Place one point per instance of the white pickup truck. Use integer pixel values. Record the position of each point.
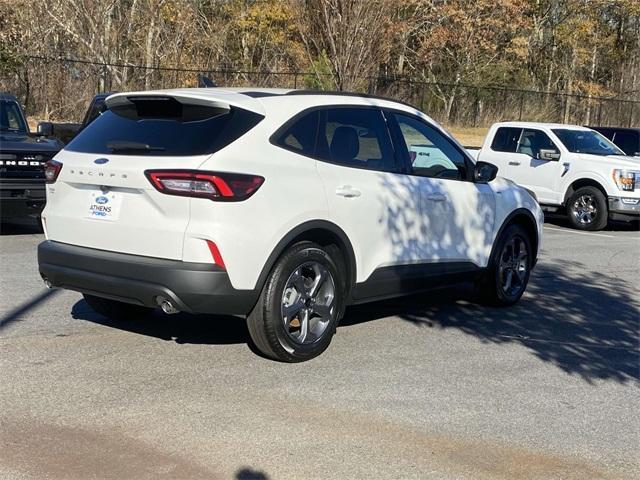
(568, 168)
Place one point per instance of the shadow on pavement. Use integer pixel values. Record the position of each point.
(584, 325)
(613, 225)
(250, 474)
(15, 314)
(179, 328)
(21, 226)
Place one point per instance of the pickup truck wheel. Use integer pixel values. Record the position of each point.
(508, 272)
(587, 209)
(298, 310)
(115, 310)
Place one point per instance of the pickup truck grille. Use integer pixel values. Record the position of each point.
(27, 165)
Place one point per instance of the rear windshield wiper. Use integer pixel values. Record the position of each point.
(125, 146)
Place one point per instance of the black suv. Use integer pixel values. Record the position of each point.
(627, 139)
(22, 159)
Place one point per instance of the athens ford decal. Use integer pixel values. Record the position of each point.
(104, 206)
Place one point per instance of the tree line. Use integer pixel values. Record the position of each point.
(585, 47)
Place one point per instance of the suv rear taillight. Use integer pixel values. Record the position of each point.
(51, 171)
(226, 187)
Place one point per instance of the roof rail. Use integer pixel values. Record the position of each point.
(348, 94)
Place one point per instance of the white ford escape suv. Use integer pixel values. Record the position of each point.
(284, 206)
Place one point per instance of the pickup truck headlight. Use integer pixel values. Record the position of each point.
(626, 179)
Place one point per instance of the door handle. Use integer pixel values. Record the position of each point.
(437, 197)
(515, 164)
(348, 191)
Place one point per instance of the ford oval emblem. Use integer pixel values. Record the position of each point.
(101, 161)
(102, 200)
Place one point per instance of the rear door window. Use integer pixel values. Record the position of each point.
(163, 126)
(506, 139)
(355, 137)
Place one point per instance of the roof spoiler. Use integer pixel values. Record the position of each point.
(210, 97)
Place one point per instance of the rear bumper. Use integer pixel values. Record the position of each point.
(192, 287)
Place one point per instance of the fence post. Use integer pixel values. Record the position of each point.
(477, 108)
(521, 106)
(295, 80)
(103, 79)
(630, 114)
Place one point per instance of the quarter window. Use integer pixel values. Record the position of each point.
(431, 153)
(301, 135)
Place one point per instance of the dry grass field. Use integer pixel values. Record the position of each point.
(469, 136)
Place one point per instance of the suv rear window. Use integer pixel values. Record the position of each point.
(165, 127)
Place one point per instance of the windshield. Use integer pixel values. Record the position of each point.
(586, 141)
(11, 119)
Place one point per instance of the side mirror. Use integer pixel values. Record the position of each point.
(45, 129)
(484, 172)
(549, 154)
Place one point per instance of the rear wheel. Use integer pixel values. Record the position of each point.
(299, 307)
(115, 310)
(587, 209)
(509, 268)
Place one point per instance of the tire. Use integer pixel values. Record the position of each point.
(115, 310)
(300, 304)
(587, 209)
(494, 287)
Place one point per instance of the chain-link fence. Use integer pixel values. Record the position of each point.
(60, 88)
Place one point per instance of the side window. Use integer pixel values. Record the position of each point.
(531, 141)
(10, 117)
(301, 135)
(627, 141)
(431, 153)
(506, 139)
(355, 137)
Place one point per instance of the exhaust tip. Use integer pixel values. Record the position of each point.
(47, 283)
(166, 306)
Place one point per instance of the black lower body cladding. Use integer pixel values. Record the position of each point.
(191, 287)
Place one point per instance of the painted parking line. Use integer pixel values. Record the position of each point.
(565, 230)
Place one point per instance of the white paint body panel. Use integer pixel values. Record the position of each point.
(392, 222)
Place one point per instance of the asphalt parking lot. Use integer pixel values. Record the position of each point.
(427, 387)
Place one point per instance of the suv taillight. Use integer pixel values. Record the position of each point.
(225, 187)
(51, 171)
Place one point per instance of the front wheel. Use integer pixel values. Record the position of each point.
(587, 209)
(299, 307)
(508, 272)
